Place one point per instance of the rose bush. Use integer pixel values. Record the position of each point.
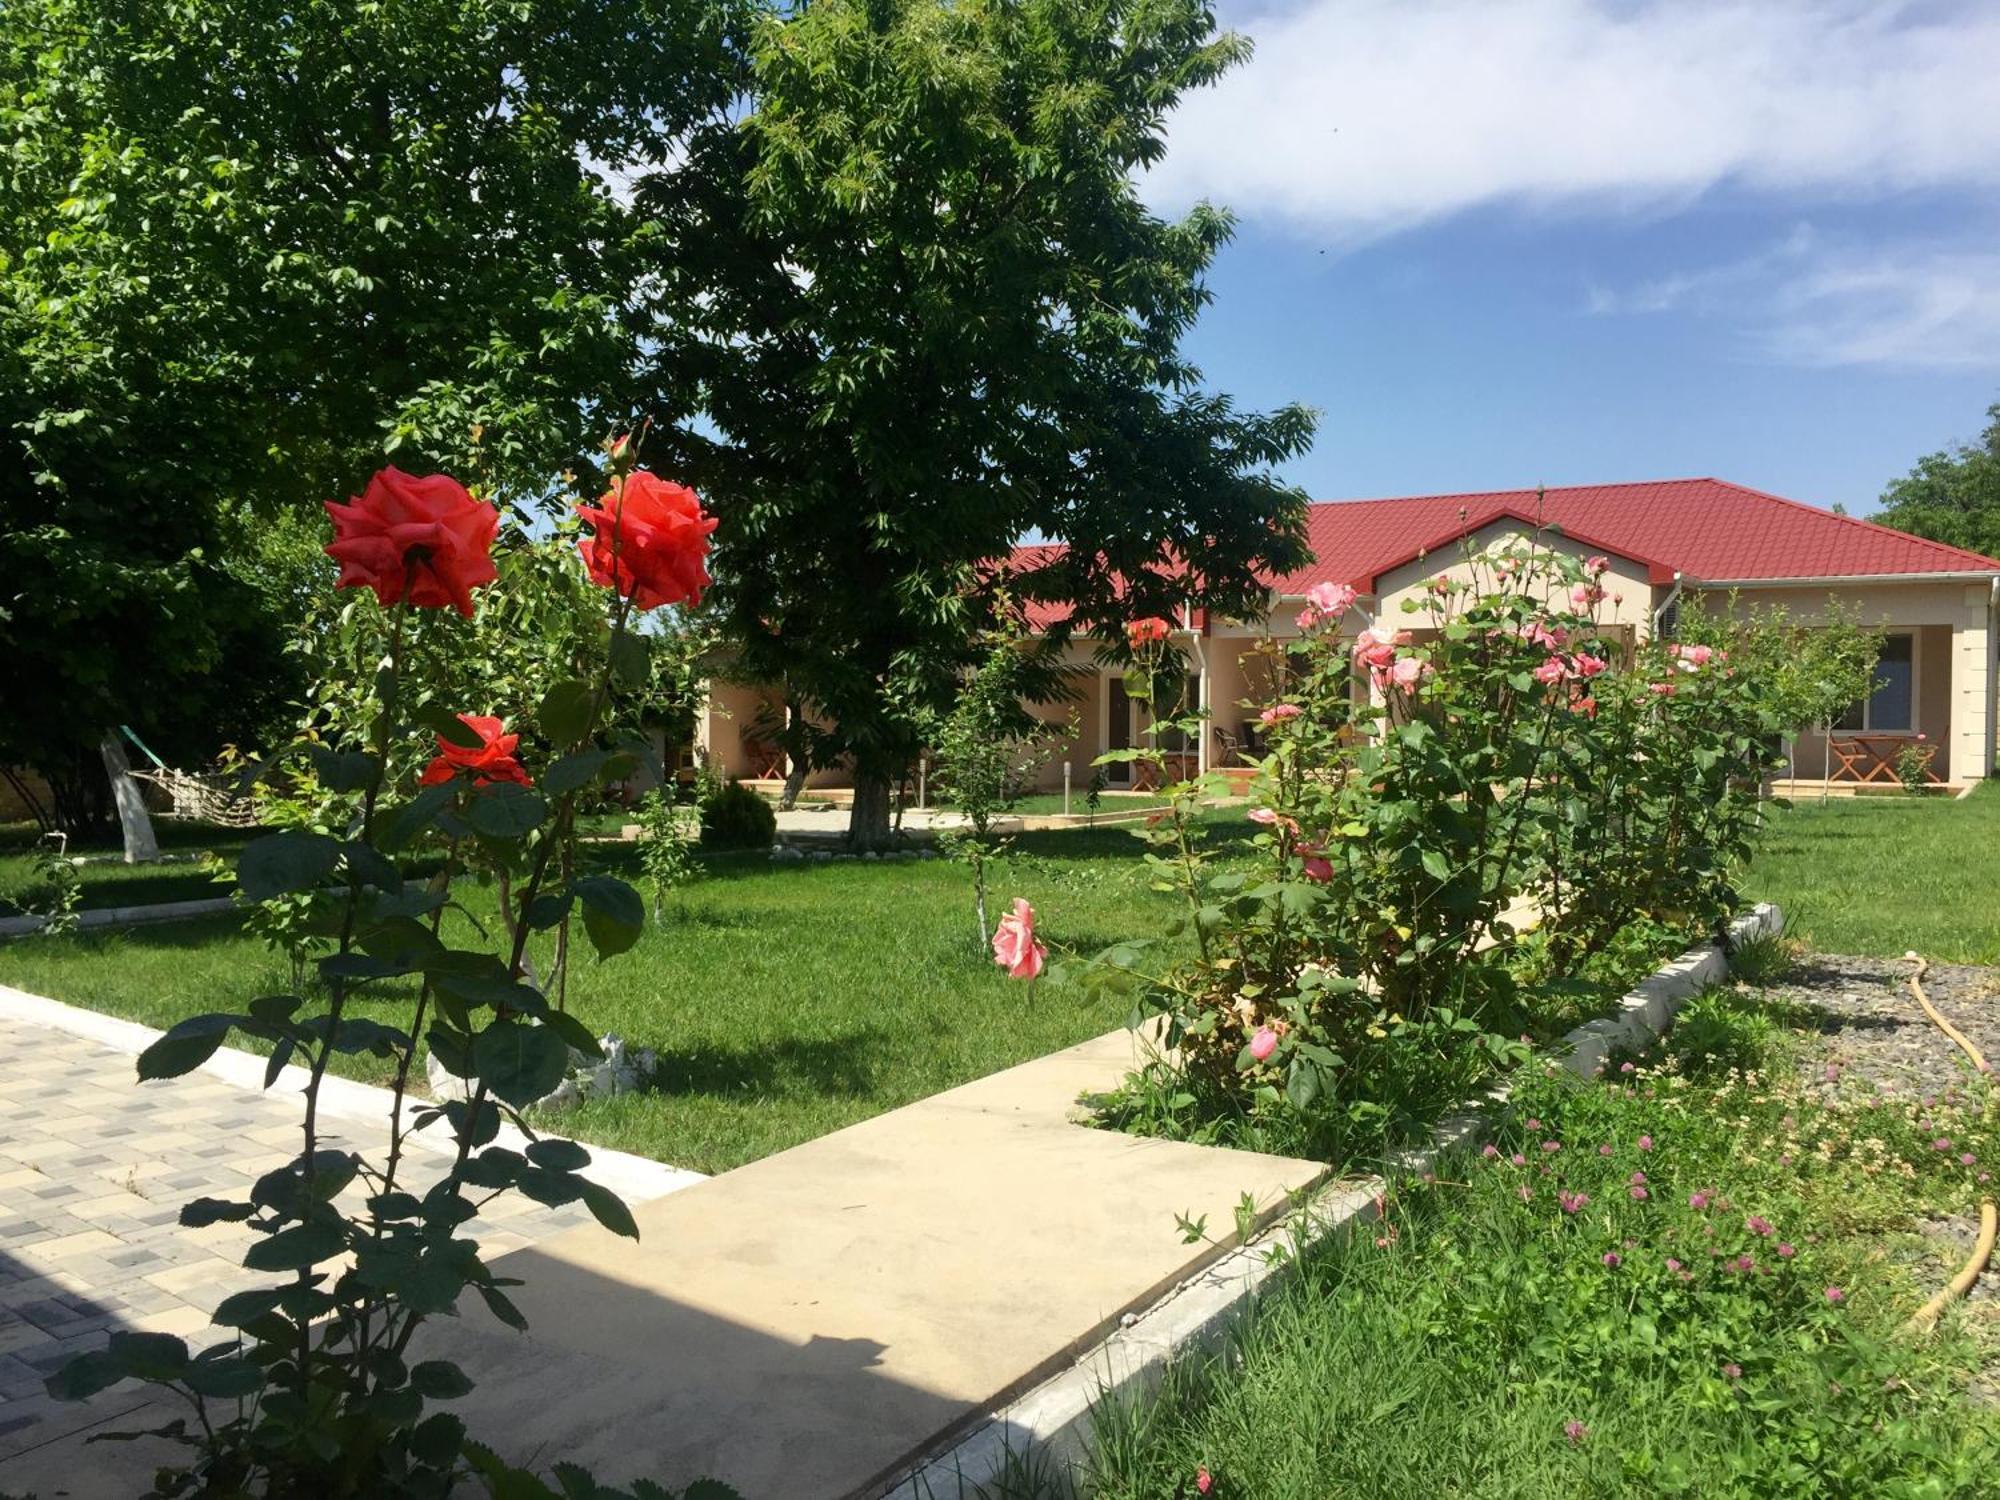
(1427, 785)
(319, 1389)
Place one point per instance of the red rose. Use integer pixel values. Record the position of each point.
(1147, 632)
(661, 541)
(491, 760)
(427, 535)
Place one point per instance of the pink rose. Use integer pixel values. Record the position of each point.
(1277, 713)
(1587, 665)
(1330, 598)
(1409, 671)
(1264, 1043)
(1597, 565)
(1552, 671)
(1306, 619)
(1014, 945)
(1318, 868)
(1271, 819)
(1376, 646)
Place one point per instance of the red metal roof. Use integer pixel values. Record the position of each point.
(1703, 528)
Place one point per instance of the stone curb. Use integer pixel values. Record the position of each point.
(633, 1178)
(124, 916)
(1054, 1418)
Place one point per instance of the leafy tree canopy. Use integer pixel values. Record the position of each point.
(931, 315)
(254, 248)
(1952, 496)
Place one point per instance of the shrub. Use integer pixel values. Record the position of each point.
(737, 818)
(1362, 968)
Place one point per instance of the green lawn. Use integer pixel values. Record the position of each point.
(1881, 875)
(786, 1000)
(106, 880)
(1650, 1338)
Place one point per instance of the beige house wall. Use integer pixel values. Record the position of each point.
(1953, 621)
(1628, 598)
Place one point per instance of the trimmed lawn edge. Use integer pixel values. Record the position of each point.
(1052, 1421)
(636, 1179)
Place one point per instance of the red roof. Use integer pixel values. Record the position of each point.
(1706, 529)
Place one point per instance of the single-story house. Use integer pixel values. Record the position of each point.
(1668, 542)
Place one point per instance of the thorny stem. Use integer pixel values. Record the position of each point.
(337, 1002)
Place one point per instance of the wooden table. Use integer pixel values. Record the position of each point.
(1172, 765)
(1872, 757)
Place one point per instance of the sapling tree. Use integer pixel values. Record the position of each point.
(984, 749)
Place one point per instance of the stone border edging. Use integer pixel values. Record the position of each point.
(123, 916)
(1054, 1417)
(634, 1178)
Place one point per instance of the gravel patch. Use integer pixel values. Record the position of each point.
(1873, 1030)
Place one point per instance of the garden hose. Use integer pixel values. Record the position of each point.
(1925, 1318)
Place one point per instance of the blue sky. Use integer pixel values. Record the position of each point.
(1502, 242)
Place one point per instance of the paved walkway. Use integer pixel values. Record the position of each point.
(94, 1167)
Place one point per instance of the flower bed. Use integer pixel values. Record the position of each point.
(1425, 787)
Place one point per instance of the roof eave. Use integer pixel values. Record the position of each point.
(1830, 580)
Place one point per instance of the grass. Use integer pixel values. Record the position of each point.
(1447, 1349)
(1880, 875)
(785, 1000)
(106, 880)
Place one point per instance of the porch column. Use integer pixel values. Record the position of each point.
(1972, 687)
(1203, 701)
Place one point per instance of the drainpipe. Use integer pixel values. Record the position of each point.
(1673, 594)
(1201, 703)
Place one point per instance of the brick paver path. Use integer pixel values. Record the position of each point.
(94, 1167)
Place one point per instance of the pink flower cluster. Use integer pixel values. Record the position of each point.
(1325, 601)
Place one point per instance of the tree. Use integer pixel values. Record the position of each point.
(253, 247)
(985, 747)
(1952, 496)
(931, 316)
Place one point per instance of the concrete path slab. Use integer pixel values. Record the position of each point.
(813, 1323)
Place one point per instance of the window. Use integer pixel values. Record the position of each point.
(1893, 704)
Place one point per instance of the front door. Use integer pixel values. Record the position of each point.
(1119, 733)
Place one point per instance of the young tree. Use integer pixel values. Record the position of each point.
(1952, 496)
(984, 747)
(251, 248)
(933, 317)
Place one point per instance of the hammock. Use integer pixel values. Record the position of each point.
(203, 797)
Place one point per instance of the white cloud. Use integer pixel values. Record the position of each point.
(1810, 301)
(1919, 310)
(1360, 117)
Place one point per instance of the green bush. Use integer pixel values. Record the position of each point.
(737, 818)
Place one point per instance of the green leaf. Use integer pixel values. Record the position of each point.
(83, 1377)
(239, 1308)
(186, 1046)
(519, 1062)
(503, 1308)
(437, 1439)
(614, 916)
(609, 1209)
(631, 659)
(558, 1155)
(506, 811)
(280, 863)
(366, 866)
(296, 1248)
(574, 1032)
(342, 771)
(442, 722)
(440, 1380)
(414, 816)
(573, 771)
(564, 715)
(225, 1377)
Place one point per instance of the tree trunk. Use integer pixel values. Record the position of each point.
(868, 824)
(140, 845)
